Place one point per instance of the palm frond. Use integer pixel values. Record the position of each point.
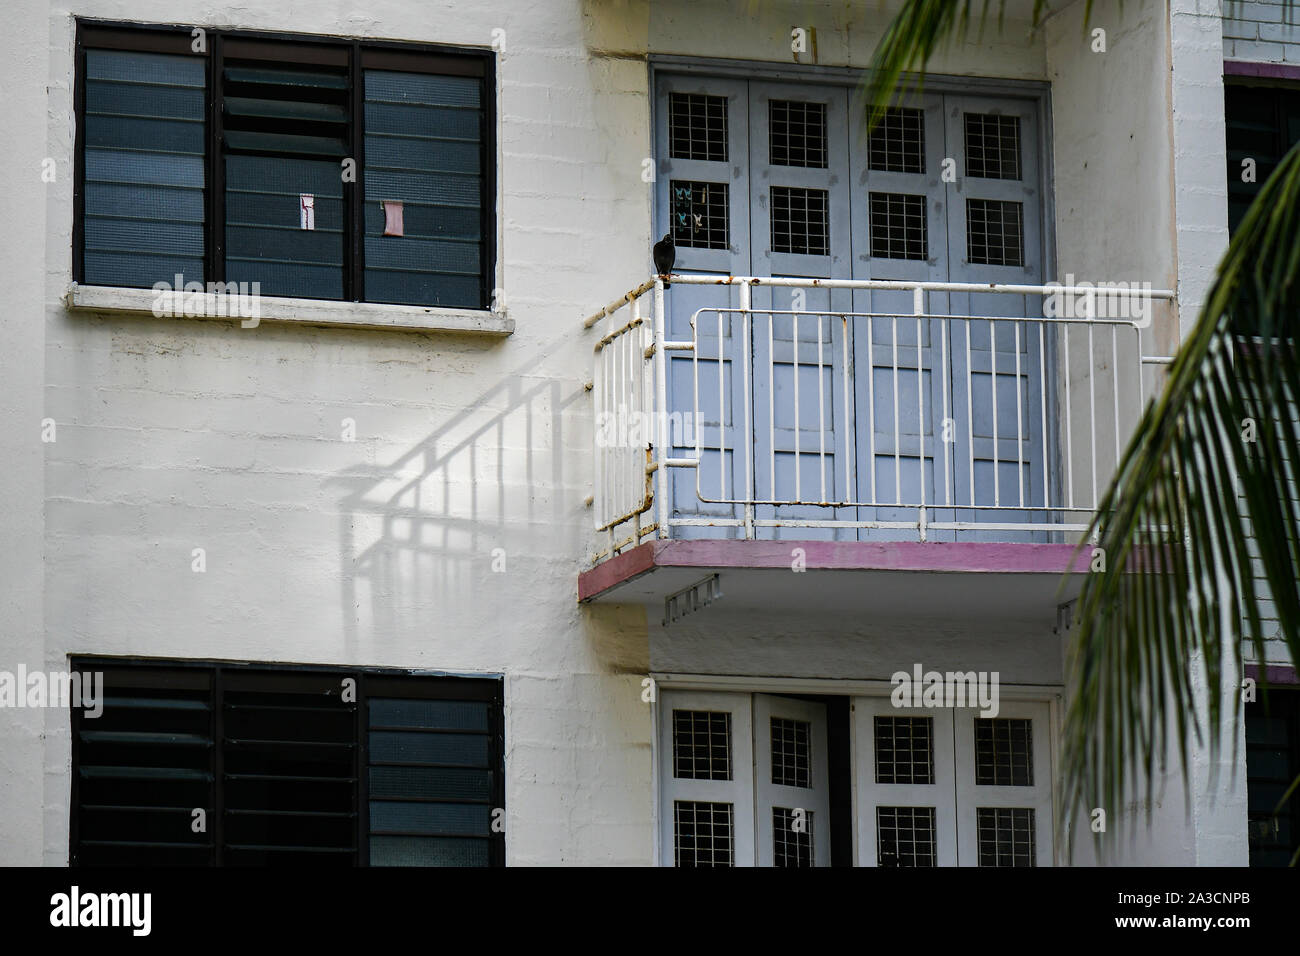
(1179, 592)
(912, 38)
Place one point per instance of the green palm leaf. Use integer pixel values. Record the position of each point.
(1179, 591)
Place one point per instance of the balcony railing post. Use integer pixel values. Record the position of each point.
(660, 412)
(918, 310)
(746, 297)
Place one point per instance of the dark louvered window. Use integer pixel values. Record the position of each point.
(316, 169)
(144, 137)
(303, 766)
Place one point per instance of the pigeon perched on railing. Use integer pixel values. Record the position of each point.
(665, 253)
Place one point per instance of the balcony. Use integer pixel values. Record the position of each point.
(893, 426)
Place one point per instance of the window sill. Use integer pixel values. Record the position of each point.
(313, 312)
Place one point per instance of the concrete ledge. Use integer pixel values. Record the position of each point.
(696, 557)
(313, 312)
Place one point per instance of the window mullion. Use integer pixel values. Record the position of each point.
(356, 195)
(216, 828)
(361, 771)
(216, 226)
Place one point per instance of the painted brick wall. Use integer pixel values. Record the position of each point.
(1261, 31)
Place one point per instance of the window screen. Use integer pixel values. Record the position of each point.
(289, 768)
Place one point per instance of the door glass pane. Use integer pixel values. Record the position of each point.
(1006, 836)
(797, 134)
(792, 837)
(897, 144)
(703, 833)
(1004, 752)
(701, 745)
(904, 749)
(992, 146)
(800, 222)
(791, 752)
(697, 127)
(905, 836)
(898, 227)
(995, 232)
(700, 214)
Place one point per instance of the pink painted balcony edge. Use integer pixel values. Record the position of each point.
(934, 557)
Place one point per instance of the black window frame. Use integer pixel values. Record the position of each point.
(1284, 96)
(1279, 702)
(370, 682)
(359, 55)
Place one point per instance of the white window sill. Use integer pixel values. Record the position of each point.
(353, 315)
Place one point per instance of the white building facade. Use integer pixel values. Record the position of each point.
(407, 563)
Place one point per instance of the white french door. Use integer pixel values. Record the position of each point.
(744, 780)
(946, 787)
(808, 410)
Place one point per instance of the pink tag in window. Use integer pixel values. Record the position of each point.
(393, 218)
(307, 211)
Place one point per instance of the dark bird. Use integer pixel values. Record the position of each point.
(665, 255)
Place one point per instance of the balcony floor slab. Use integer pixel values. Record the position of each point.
(1012, 581)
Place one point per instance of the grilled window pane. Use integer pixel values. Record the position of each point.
(1006, 836)
(701, 745)
(424, 149)
(992, 146)
(905, 836)
(792, 837)
(995, 232)
(700, 214)
(797, 134)
(703, 833)
(144, 170)
(265, 241)
(800, 222)
(904, 749)
(697, 127)
(1004, 752)
(791, 752)
(898, 226)
(897, 144)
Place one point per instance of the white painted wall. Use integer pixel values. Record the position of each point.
(177, 434)
(22, 480)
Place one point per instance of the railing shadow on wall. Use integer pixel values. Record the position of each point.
(483, 493)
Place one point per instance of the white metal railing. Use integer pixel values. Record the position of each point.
(874, 442)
